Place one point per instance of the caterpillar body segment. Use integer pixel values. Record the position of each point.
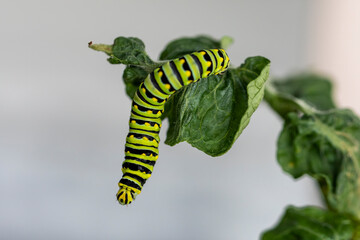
(141, 148)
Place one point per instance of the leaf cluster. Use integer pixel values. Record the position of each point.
(322, 141)
(209, 114)
(317, 139)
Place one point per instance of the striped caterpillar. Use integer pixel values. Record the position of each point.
(141, 148)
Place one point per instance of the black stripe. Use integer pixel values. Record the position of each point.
(198, 63)
(136, 167)
(176, 71)
(141, 145)
(136, 177)
(208, 59)
(165, 80)
(145, 130)
(139, 136)
(187, 68)
(155, 84)
(130, 183)
(119, 194)
(151, 96)
(145, 108)
(140, 151)
(222, 56)
(215, 61)
(151, 163)
(139, 115)
(142, 122)
(143, 99)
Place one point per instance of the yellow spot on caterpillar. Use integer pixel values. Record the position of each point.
(156, 126)
(188, 73)
(221, 59)
(202, 52)
(131, 136)
(154, 99)
(149, 111)
(128, 152)
(207, 73)
(135, 106)
(145, 138)
(143, 154)
(156, 157)
(160, 124)
(133, 121)
(182, 61)
(208, 63)
(151, 155)
(160, 73)
(190, 81)
(147, 124)
(154, 140)
(159, 112)
(143, 89)
(167, 86)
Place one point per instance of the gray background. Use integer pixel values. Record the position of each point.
(64, 115)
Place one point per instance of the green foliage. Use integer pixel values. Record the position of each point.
(321, 141)
(317, 139)
(226, 101)
(186, 45)
(131, 51)
(327, 147)
(132, 77)
(314, 89)
(300, 93)
(312, 223)
(128, 51)
(212, 113)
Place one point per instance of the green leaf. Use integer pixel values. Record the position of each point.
(182, 46)
(312, 223)
(325, 146)
(219, 107)
(301, 92)
(128, 51)
(133, 76)
(226, 42)
(186, 45)
(211, 113)
(131, 51)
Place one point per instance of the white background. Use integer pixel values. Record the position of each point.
(64, 116)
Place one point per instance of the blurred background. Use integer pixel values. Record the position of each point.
(64, 117)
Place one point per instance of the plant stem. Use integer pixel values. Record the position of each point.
(101, 47)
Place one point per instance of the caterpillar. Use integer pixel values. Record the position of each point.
(142, 141)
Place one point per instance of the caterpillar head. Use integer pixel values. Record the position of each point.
(125, 196)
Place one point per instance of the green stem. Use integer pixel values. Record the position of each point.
(101, 47)
(288, 103)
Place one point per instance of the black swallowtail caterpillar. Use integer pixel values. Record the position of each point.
(141, 148)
